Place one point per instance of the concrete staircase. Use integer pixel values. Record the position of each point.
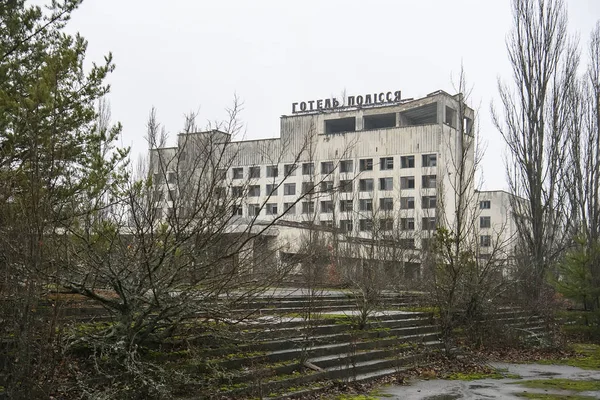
(286, 356)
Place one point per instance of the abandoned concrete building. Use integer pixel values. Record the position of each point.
(369, 172)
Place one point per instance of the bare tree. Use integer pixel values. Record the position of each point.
(534, 124)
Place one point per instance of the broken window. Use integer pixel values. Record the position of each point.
(340, 125)
(272, 171)
(271, 208)
(307, 187)
(289, 208)
(254, 172)
(366, 204)
(253, 210)
(428, 223)
(346, 186)
(407, 203)
(271, 189)
(289, 169)
(450, 117)
(407, 162)
(407, 224)
(345, 205)
(308, 169)
(308, 207)
(327, 186)
(379, 121)
(366, 164)
(365, 185)
(386, 183)
(365, 225)
(485, 240)
(386, 224)
(422, 115)
(346, 225)
(326, 206)
(253, 190)
(346, 166)
(386, 204)
(429, 181)
(327, 167)
(386, 163)
(485, 222)
(428, 202)
(289, 189)
(429, 160)
(238, 173)
(407, 182)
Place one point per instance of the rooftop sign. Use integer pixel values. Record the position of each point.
(352, 101)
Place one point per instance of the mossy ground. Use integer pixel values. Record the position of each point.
(546, 396)
(562, 384)
(588, 357)
(498, 374)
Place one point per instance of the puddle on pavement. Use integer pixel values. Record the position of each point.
(443, 397)
(480, 386)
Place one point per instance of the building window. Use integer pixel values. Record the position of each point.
(327, 167)
(308, 187)
(221, 174)
(428, 223)
(171, 177)
(327, 224)
(253, 210)
(407, 224)
(429, 160)
(157, 179)
(346, 186)
(407, 243)
(485, 205)
(326, 207)
(308, 207)
(485, 222)
(346, 225)
(365, 225)
(407, 182)
(365, 185)
(253, 190)
(386, 183)
(272, 171)
(220, 192)
(429, 181)
(345, 205)
(289, 189)
(238, 173)
(237, 191)
(327, 186)
(271, 208)
(289, 208)
(158, 195)
(289, 169)
(407, 162)
(346, 166)
(386, 204)
(237, 210)
(485, 240)
(254, 172)
(386, 224)
(271, 189)
(386, 163)
(308, 168)
(366, 164)
(428, 202)
(427, 243)
(366, 204)
(407, 203)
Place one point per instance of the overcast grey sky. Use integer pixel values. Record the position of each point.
(184, 55)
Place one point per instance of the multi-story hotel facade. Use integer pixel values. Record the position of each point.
(372, 167)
